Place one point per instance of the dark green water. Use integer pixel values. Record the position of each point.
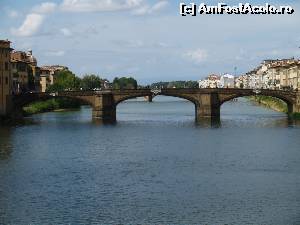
(155, 166)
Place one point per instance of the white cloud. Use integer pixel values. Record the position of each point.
(30, 25)
(197, 56)
(44, 8)
(141, 10)
(66, 32)
(146, 9)
(159, 6)
(133, 3)
(12, 14)
(99, 5)
(34, 20)
(55, 53)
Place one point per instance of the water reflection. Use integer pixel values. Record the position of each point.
(209, 123)
(155, 166)
(99, 122)
(5, 142)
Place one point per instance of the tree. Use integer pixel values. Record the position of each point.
(176, 84)
(90, 82)
(116, 84)
(124, 83)
(64, 80)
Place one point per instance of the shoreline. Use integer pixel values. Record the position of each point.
(54, 110)
(273, 103)
(52, 105)
(269, 102)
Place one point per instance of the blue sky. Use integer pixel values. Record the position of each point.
(147, 39)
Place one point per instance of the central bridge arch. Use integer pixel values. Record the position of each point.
(120, 97)
(188, 98)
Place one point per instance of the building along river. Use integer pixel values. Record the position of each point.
(155, 166)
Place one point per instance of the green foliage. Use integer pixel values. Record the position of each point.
(50, 105)
(191, 84)
(90, 82)
(124, 83)
(273, 103)
(296, 116)
(175, 84)
(55, 87)
(64, 80)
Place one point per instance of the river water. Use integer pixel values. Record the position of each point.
(155, 166)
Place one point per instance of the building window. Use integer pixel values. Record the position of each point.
(6, 80)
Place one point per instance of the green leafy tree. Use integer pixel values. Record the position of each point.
(176, 84)
(116, 83)
(65, 80)
(90, 82)
(124, 83)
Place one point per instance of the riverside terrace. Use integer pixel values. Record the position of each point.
(104, 103)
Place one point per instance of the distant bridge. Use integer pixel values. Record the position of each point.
(104, 103)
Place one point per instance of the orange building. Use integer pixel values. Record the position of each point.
(5, 75)
(26, 74)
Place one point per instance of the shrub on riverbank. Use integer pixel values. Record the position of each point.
(296, 116)
(270, 102)
(51, 105)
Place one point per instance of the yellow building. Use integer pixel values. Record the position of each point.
(293, 74)
(48, 75)
(19, 76)
(25, 73)
(33, 72)
(45, 81)
(5, 75)
(282, 74)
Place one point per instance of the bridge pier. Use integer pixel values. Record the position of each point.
(104, 109)
(207, 107)
(150, 98)
(295, 108)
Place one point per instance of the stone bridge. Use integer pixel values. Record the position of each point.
(207, 101)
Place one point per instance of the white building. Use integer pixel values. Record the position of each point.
(227, 81)
(212, 81)
(203, 83)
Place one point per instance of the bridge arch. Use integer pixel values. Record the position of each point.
(287, 100)
(188, 98)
